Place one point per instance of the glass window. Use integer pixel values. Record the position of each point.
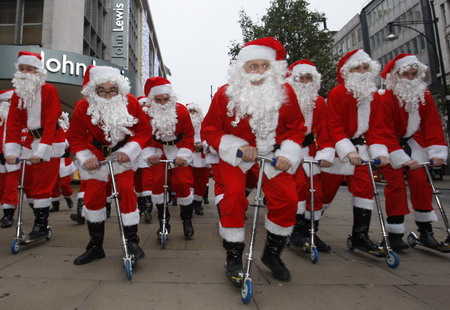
(414, 46)
(8, 12)
(33, 11)
(7, 35)
(32, 34)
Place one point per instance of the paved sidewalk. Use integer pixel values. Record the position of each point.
(190, 274)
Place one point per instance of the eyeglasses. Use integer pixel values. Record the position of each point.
(103, 92)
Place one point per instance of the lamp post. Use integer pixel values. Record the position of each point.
(437, 50)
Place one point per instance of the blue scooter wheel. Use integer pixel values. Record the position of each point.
(15, 246)
(247, 291)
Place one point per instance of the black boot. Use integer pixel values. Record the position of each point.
(427, 236)
(271, 256)
(69, 202)
(360, 232)
(7, 219)
(140, 202)
(77, 217)
(133, 242)
(108, 209)
(94, 249)
(186, 216)
(205, 197)
(320, 245)
(299, 235)
(234, 261)
(40, 223)
(160, 208)
(148, 208)
(396, 242)
(55, 206)
(198, 208)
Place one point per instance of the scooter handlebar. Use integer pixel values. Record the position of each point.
(376, 161)
(273, 161)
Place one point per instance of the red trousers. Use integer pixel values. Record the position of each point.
(143, 181)
(201, 178)
(359, 184)
(9, 182)
(63, 186)
(180, 179)
(303, 189)
(280, 193)
(395, 191)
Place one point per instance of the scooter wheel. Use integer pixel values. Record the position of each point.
(412, 240)
(15, 246)
(247, 291)
(314, 255)
(49, 234)
(128, 269)
(350, 245)
(163, 240)
(392, 259)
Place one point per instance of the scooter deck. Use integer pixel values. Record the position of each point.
(235, 280)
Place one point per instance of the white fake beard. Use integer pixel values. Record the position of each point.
(164, 119)
(112, 116)
(410, 93)
(260, 102)
(4, 109)
(361, 85)
(306, 95)
(196, 120)
(26, 87)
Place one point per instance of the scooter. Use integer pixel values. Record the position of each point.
(21, 238)
(164, 234)
(412, 238)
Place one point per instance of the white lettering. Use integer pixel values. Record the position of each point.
(56, 62)
(65, 63)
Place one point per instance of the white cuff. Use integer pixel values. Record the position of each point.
(327, 154)
(377, 150)
(398, 158)
(43, 151)
(344, 147)
(439, 151)
(277, 229)
(186, 154)
(293, 152)
(151, 151)
(132, 149)
(12, 149)
(84, 155)
(229, 144)
(232, 234)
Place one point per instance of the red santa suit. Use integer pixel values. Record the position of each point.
(41, 119)
(353, 126)
(278, 186)
(88, 141)
(421, 132)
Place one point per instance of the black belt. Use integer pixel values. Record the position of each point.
(358, 141)
(106, 149)
(172, 143)
(405, 146)
(2, 159)
(66, 154)
(37, 133)
(309, 139)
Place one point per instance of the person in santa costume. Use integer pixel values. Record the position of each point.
(172, 139)
(108, 124)
(305, 80)
(35, 105)
(200, 168)
(354, 121)
(259, 115)
(9, 174)
(143, 178)
(66, 168)
(414, 135)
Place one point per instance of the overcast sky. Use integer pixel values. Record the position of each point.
(194, 37)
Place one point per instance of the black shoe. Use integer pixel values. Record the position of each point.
(77, 217)
(69, 202)
(148, 208)
(198, 208)
(160, 228)
(108, 210)
(300, 234)
(7, 219)
(160, 208)
(186, 215)
(188, 229)
(234, 266)
(396, 242)
(133, 241)
(271, 256)
(363, 242)
(140, 202)
(320, 245)
(55, 206)
(136, 250)
(91, 254)
(40, 223)
(360, 237)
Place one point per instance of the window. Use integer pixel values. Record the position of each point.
(28, 28)
(93, 36)
(444, 13)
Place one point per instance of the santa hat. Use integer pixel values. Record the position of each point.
(400, 61)
(265, 48)
(193, 106)
(305, 66)
(353, 59)
(31, 59)
(157, 86)
(6, 94)
(142, 100)
(96, 75)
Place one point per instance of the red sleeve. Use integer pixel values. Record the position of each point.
(16, 122)
(186, 128)
(51, 110)
(335, 123)
(212, 125)
(320, 125)
(78, 133)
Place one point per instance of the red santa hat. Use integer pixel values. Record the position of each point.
(156, 86)
(265, 48)
(350, 60)
(400, 61)
(6, 94)
(31, 59)
(305, 66)
(193, 106)
(96, 75)
(142, 100)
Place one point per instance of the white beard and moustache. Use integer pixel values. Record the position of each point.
(409, 92)
(164, 119)
(361, 85)
(112, 116)
(196, 120)
(306, 95)
(4, 109)
(260, 102)
(26, 87)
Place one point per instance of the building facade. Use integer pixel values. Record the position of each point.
(70, 35)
